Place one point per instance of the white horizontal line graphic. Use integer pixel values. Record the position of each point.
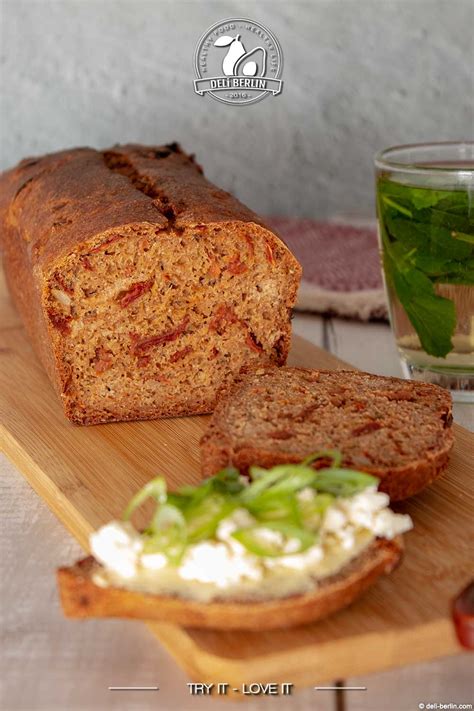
(134, 688)
(342, 688)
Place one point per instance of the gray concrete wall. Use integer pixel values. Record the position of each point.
(359, 75)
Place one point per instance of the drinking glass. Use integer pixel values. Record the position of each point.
(425, 211)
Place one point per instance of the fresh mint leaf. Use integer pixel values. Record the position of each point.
(433, 317)
(449, 220)
(435, 266)
(415, 198)
(409, 233)
(422, 198)
(428, 239)
(456, 202)
(396, 205)
(443, 244)
(464, 278)
(395, 191)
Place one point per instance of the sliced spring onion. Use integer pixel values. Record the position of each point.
(167, 533)
(253, 538)
(179, 500)
(154, 489)
(261, 479)
(203, 518)
(332, 454)
(167, 516)
(311, 512)
(294, 478)
(342, 482)
(275, 507)
(194, 494)
(284, 478)
(227, 481)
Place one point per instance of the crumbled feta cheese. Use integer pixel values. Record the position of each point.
(215, 563)
(334, 520)
(240, 518)
(117, 545)
(368, 500)
(273, 538)
(154, 561)
(388, 524)
(306, 495)
(300, 561)
(346, 537)
(292, 545)
(366, 510)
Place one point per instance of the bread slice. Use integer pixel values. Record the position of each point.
(80, 597)
(144, 288)
(397, 430)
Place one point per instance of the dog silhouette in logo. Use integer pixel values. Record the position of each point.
(237, 61)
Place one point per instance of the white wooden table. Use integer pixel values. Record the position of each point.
(53, 664)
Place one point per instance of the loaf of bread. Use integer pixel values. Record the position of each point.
(81, 597)
(398, 430)
(144, 288)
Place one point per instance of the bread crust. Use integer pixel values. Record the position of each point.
(219, 449)
(81, 598)
(58, 205)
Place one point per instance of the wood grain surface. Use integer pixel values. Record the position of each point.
(87, 475)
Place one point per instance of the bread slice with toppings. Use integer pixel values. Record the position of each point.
(81, 597)
(398, 430)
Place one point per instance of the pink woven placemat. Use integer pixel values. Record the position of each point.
(341, 267)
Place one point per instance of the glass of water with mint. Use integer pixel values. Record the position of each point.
(425, 210)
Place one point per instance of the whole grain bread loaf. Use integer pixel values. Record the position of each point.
(397, 430)
(144, 288)
(81, 597)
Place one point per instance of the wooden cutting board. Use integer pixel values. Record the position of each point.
(87, 475)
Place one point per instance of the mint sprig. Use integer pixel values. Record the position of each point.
(428, 239)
